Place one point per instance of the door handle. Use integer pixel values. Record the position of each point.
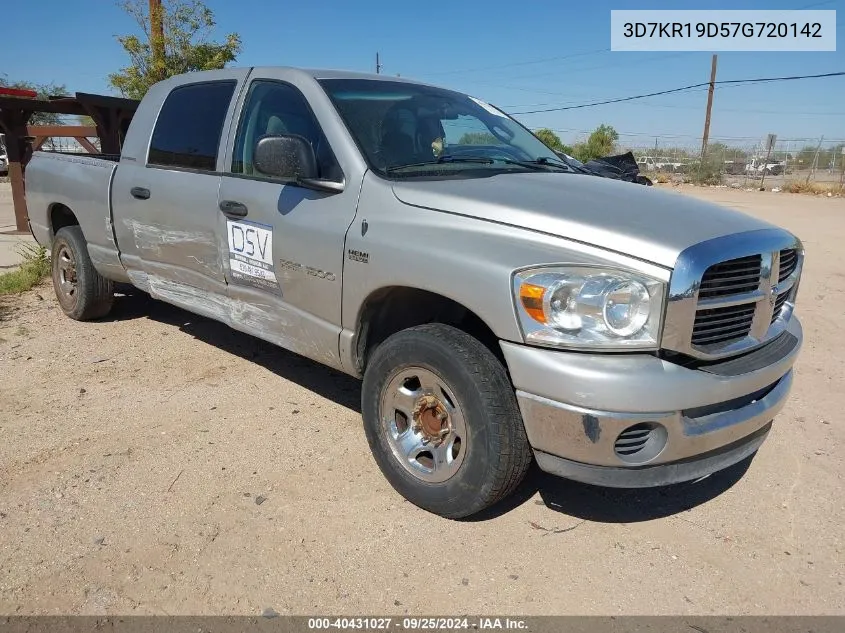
(233, 208)
(141, 193)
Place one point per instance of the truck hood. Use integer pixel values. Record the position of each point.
(642, 222)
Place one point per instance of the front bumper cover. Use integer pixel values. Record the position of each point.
(574, 407)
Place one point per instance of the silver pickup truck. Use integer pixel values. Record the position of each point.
(499, 305)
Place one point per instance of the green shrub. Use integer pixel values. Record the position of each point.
(706, 172)
(34, 268)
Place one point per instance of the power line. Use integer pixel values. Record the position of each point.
(557, 103)
(755, 139)
(570, 56)
(682, 89)
(702, 88)
(740, 110)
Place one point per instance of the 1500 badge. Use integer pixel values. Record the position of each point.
(286, 264)
(321, 274)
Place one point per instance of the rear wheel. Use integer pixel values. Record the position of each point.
(82, 292)
(442, 421)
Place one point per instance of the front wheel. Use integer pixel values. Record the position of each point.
(442, 421)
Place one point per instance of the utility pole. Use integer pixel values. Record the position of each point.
(770, 143)
(378, 64)
(815, 160)
(705, 137)
(157, 39)
(842, 175)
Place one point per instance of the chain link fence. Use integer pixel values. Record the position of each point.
(792, 163)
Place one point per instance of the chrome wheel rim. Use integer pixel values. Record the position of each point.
(66, 274)
(424, 424)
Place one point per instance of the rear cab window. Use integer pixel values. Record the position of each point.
(189, 126)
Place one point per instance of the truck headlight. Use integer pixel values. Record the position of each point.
(581, 307)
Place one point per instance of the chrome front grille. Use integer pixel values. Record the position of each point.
(732, 294)
(788, 263)
(719, 325)
(731, 277)
(779, 303)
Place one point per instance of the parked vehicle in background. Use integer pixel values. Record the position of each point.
(667, 164)
(498, 304)
(758, 166)
(646, 163)
(4, 158)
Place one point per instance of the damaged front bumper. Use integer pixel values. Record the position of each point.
(636, 420)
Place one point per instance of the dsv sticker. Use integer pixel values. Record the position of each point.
(251, 253)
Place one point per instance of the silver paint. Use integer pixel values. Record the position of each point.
(461, 239)
(556, 428)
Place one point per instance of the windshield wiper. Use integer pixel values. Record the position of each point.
(540, 164)
(566, 163)
(557, 162)
(440, 160)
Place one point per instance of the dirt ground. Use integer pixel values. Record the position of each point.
(160, 463)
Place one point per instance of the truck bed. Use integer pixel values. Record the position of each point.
(82, 184)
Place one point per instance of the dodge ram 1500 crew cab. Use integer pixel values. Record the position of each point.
(499, 304)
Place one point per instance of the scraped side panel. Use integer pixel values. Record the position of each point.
(265, 318)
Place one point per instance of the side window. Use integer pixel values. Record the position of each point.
(187, 132)
(274, 108)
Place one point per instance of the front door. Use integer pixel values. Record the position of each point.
(284, 243)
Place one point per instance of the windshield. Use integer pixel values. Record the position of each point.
(411, 130)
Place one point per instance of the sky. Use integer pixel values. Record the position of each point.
(518, 56)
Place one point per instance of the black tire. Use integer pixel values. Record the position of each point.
(82, 292)
(497, 453)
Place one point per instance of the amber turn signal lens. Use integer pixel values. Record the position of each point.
(531, 297)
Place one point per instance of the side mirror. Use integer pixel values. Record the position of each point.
(285, 157)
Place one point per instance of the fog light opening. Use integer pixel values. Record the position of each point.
(641, 442)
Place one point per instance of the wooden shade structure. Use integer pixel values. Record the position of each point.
(111, 117)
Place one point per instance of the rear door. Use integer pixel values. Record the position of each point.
(285, 243)
(167, 227)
